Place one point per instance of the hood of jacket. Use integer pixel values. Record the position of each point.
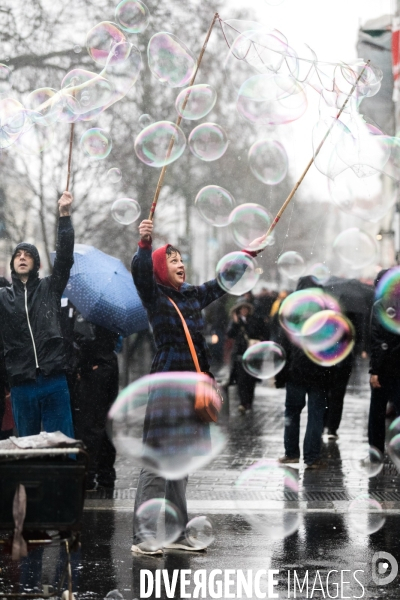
(160, 267)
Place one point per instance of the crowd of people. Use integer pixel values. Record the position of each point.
(61, 371)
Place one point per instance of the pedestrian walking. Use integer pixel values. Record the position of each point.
(384, 377)
(245, 329)
(31, 334)
(157, 276)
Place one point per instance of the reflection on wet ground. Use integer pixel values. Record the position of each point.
(330, 552)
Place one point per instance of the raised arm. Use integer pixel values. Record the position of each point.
(142, 266)
(65, 245)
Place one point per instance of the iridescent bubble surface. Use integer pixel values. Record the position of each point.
(196, 102)
(237, 273)
(153, 144)
(176, 442)
(327, 338)
(125, 211)
(387, 300)
(248, 224)
(299, 306)
(200, 532)
(170, 61)
(268, 161)
(215, 205)
(264, 360)
(158, 522)
(355, 247)
(44, 102)
(208, 141)
(102, 39)
(393, 449)
(291, 264)
(114, 175)
(132, 15)
(145, 120)
(366, 515)
(367, 460)
(270, 478)
(96, 143)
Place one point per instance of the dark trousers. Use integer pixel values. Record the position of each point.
(295, 402)
(388, 392)
(246, 386)
(97, 391)
(152, 486)
(336, 394)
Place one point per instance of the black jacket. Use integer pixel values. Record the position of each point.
(30, 316)
(385, 350)
(243, 331)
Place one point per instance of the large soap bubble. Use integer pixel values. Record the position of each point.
(154, 146)
(101, 40)
(367, 460)
(276, 483)
(291, 264)
(215, 205)
(271, 99)
(369, 83)
(327, 338)
(44, 101)
(158, 522)
(199, 532)
(355, 247)
(249, 223)
(153, 421)
(268, 161)
(264, 360)
(96, 143)
(132, 15)
(366, 515)
(387, 300)
(363, 147)
(170, 61)
(91, 92)
(208, 141)
(195, 102)
(299, 306)
(237, 273)
(123, 71)
(125, 211)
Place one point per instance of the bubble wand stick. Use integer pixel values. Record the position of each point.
(71, 140)
(179, 119)
(297, 184)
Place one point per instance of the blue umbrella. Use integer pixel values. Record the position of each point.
(102, 289)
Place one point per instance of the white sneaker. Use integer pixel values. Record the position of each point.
(144, 548)
(184, 545)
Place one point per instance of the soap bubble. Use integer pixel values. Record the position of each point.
(355, 247)
(249, 223)
(158, 523)
(45, 103)
(125, 211)
(369, 83)
(123, 71)
(102, 39)
(299, 306)
(35, 137)
(132, 15)
(367, 460)
(145, 120)
(170, 61)
(394, 450)
(215, 205)
(195, 102)
(77, 49)
(91, 93)
(276, 483)
(366, 515)
(114, 175)
(271, 99)
(327, 160)
(13, 121)
(199, 532)
(5, 73)
(369, 198)
(96, 143)
(208, 141)
(363, 147)
(320, 273)
(327, 338)
(268, 161)
(387, 300)
(153, 420)
(153, 144)
(264, 360)
(237, 273)
(291, 264)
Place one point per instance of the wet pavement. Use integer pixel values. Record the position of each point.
(330, 555)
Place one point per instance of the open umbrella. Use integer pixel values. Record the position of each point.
(353, 295)
(102, 289)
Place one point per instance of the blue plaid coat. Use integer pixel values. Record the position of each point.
(173, 354)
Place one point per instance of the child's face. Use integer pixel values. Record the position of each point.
(176, 269)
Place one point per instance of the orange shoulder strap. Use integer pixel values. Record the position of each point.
(188, 337)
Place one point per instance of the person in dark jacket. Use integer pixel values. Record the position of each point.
(157, 275)
(384, 376)
(31, 334)
(245, 328)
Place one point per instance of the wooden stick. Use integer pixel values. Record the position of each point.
(71, 139)
(179, 119)
(297, 184)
